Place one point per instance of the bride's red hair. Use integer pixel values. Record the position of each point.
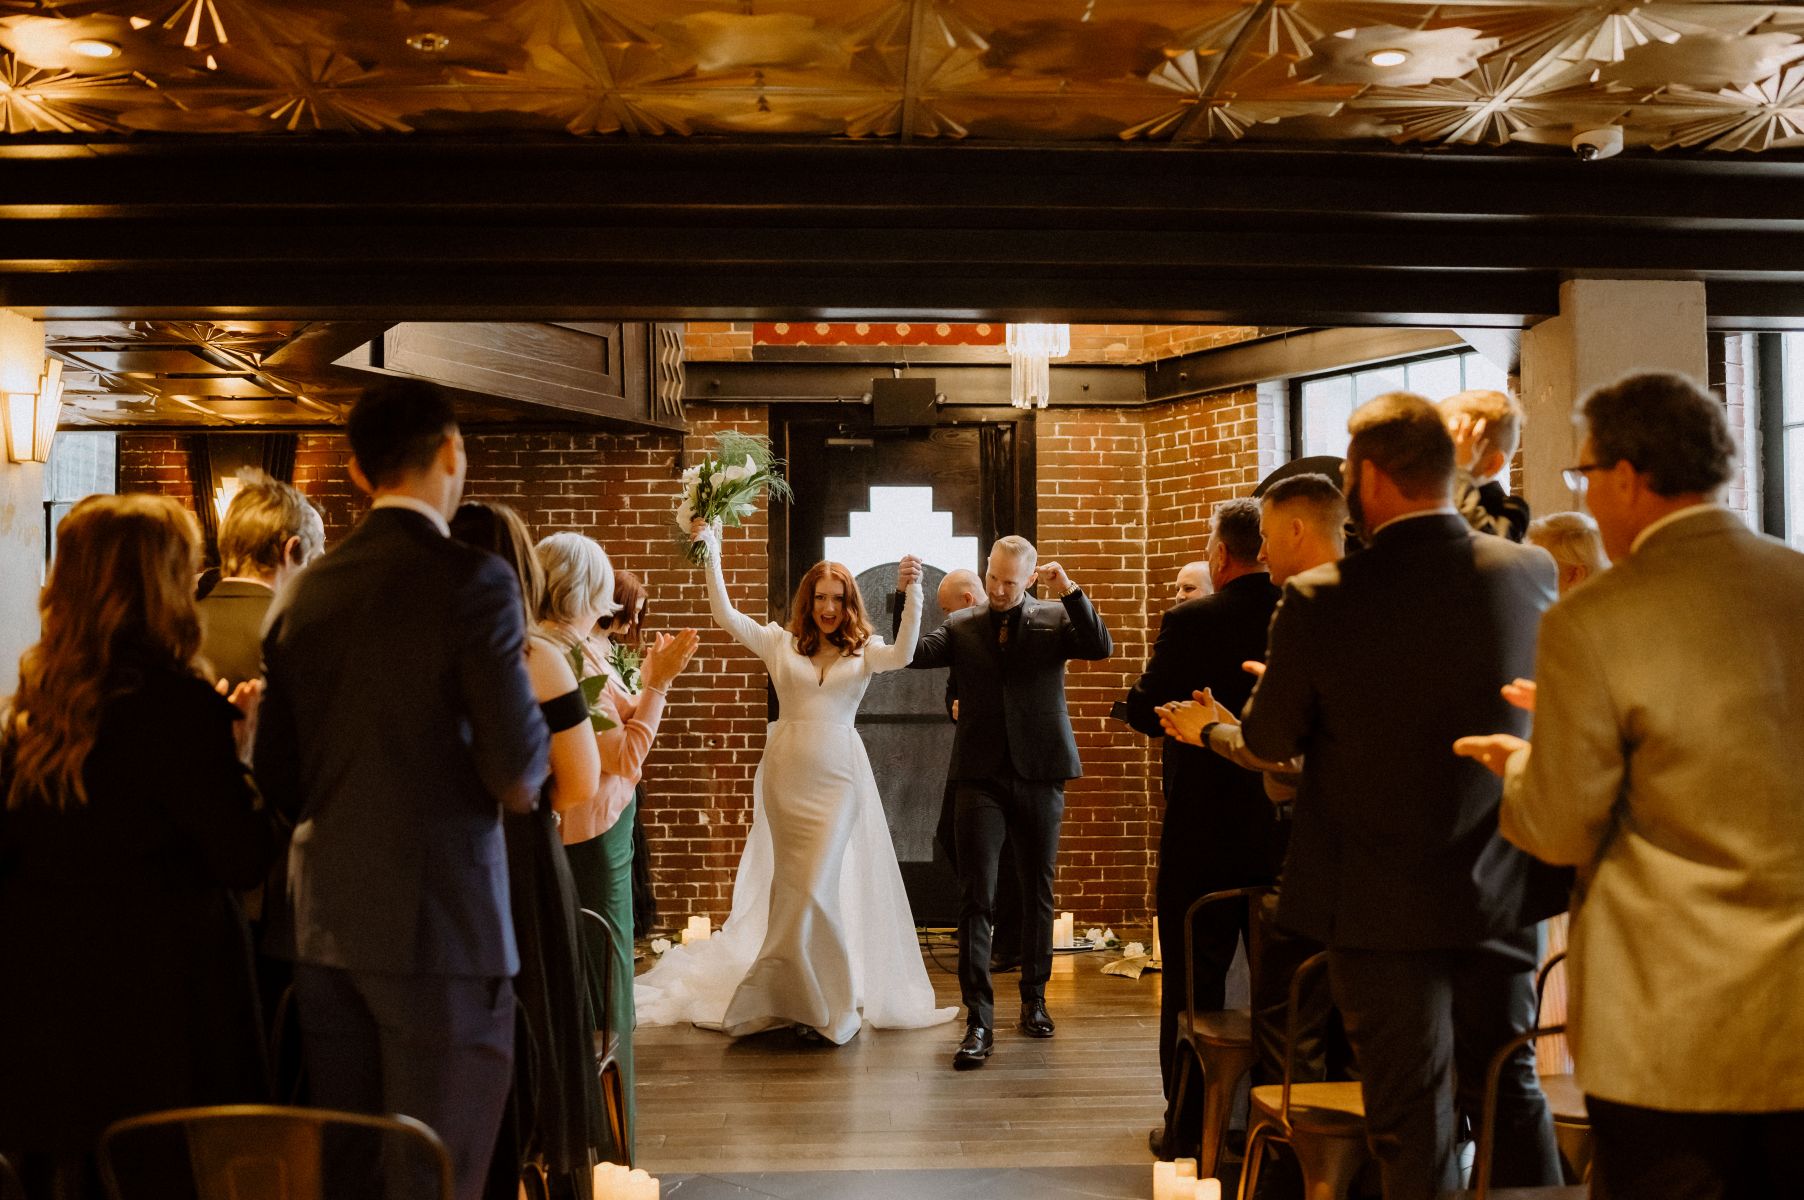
(854, 629)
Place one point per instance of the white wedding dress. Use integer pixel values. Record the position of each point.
(821, 934)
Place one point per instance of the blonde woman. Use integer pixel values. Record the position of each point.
(598, 836)
(129, 820)
(1576, 546)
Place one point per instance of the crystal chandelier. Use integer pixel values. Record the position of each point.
(1030, 349)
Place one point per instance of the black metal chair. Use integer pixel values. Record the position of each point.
(273, 1152)
(1323, 1123)
(1487, 1127)
(1571, 1120)
(1218, 1044)
(607, 1050)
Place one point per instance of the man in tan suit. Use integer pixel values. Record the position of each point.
(1665, 768)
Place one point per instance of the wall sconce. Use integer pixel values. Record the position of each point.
(31, 417)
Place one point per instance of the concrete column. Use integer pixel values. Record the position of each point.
(21, 519)
(1607, 328)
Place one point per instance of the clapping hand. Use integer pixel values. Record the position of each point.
(1468, 434)
(667, 658)
(1053, 576)
(1521, 693)
(1183, 720)
(1491, 750)
(247, 697)
(908, 572)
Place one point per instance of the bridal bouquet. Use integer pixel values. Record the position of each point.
(724, 488)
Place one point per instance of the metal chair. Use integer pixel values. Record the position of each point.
(1571, 1120)
(1487, 1127)
(1219, 1044)
(1323, 1123)
(273, 1152)
(607, 1050)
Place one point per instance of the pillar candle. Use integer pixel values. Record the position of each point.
(1165, 1181)
(1208, 1189)
(641, 1186)
(699, 926)
(1186, 1167)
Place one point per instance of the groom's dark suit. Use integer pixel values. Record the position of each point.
(1011, 755)
(398, 713)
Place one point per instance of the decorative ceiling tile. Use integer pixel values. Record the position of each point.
(1410, 56)
(1760, 116)
(1705, 61)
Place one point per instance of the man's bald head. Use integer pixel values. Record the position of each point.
(960, 589)
(1193, 581)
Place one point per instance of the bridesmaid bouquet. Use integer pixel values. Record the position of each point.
(626, 662)
(592, 688)
(725, 487)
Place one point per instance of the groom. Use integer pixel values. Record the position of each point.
(1011, 755)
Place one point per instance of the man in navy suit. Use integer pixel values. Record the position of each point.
(398, 722)
(1376, 664)
(1011, 755)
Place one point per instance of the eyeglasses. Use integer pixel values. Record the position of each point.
(1578, 478)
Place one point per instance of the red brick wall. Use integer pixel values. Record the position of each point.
(1123, 500)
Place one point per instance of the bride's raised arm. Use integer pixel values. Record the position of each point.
(892, 658)
(740, 627)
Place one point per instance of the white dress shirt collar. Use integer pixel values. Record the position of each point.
(415, 505)
(1690, 510)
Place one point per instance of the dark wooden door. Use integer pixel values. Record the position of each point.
(864, 496)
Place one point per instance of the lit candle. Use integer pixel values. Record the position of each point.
(607, 1181)
(641, 1186)
(699, 926)
(1186, 1167)
(1165, 1181)
(1208, 1189)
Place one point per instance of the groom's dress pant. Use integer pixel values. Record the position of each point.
(1006, 920)
(1027, 814)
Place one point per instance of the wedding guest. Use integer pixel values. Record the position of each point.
(1664, 769)
(1193, 580)
(398, 723)
(598, 836)
(1486, 427)
(616, 640)
(128, 820)
(1218, 831)
(269, 533)
(1374, 665)
(1577, 547)
(554, 1119)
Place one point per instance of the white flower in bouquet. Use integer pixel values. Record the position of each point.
(724, 488)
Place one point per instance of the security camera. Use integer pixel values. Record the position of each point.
(1593, 144)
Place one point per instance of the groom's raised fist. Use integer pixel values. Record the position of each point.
(1053, 576)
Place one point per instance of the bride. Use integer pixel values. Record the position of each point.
(821, 937)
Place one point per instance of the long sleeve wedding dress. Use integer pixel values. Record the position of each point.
(821, 934)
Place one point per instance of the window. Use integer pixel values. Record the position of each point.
(81, 464)
(1320, 406)
(1784, 432)
(902, 520)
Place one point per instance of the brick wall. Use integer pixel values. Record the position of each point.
(1098, 472)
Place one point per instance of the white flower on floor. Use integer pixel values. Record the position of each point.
(659, 945)
(1133, 950)
(1093, 936)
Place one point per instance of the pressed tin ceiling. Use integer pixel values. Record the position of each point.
(1675, 76)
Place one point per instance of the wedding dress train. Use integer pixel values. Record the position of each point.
(821, 933)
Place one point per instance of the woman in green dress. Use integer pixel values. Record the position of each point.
(598, 837)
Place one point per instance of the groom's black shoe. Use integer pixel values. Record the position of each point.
(974, 1049)
(1035, 1023)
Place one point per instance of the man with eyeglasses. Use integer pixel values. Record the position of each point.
(1670, 702)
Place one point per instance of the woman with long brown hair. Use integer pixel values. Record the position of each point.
(821, 937)
(129, 820)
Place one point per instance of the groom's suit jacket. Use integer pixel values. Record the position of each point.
(1011, 700)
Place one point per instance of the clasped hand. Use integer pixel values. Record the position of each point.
(1492, 750)
(908, 572)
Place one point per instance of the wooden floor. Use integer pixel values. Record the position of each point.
(889, 1100)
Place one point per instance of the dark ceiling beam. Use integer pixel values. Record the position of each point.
(1300, 352)
(962, 384)
(455, 230)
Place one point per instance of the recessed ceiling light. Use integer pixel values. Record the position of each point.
(1388, 58)
(95, 48)
(429, 42)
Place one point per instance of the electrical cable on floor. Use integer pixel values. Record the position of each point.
(929, 938)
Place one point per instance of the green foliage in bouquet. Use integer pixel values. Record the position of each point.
(626, 661)
(724, 488)
(592, 688)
